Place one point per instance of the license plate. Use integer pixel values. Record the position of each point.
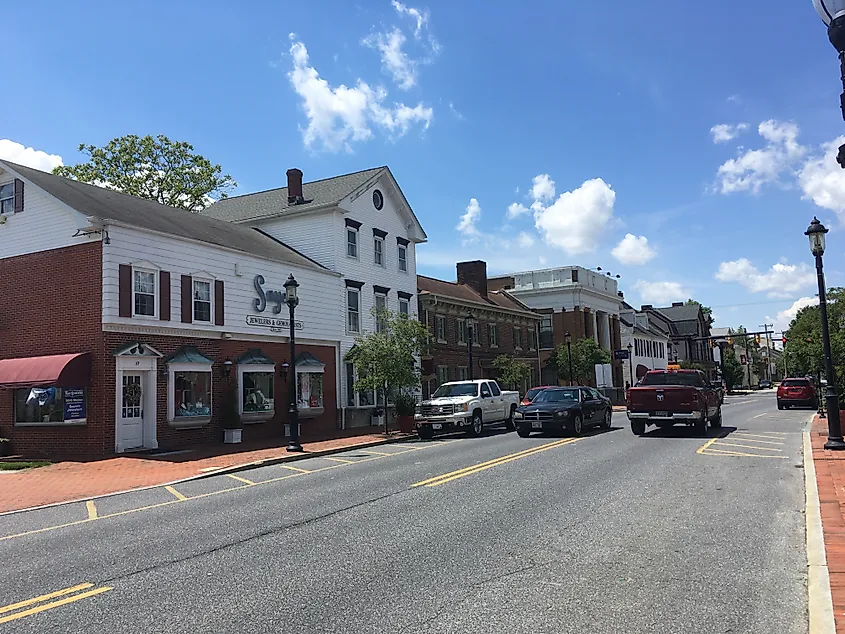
(437, 426)
(537, 425)
(663, 414)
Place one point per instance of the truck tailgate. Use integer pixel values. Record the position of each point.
(664, 398)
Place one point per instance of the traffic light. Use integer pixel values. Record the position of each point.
(783, 340)
(757, 339)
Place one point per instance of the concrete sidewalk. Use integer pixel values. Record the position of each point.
(68, 481)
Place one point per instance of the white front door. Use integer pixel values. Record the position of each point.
(131, 414)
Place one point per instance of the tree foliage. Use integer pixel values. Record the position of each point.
(510, 372)
(804, 351)
(732, 371)
(708, 312)
(586, 354)
(155, 168)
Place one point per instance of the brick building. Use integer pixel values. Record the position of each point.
(503, 325)
(122, 319)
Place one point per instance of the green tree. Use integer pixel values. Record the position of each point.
(385, 361)
(732, 370)
(804, 352)
(154, 168)
(708, 312)
(586, 354)
(510, 372)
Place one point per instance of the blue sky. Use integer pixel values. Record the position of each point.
(590, 121)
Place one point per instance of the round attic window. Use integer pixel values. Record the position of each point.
(378, 199)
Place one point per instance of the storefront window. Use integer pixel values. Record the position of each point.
(309, 390)
(257, 392)
(50, 405)
(192, 394)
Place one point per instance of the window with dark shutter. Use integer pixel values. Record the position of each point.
(219, 312)
(164, 295)
(18, 195)
(187, 299)
(124, 291)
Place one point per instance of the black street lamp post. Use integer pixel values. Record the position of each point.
(816, 233)
(832, 13)
(292, 301)
(631, 363)
(568, 338)
(470, 327)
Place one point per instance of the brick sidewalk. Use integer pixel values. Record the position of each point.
(830, 474)
(66, 481)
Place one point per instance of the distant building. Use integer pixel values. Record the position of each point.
(688, 331)
(647, 340)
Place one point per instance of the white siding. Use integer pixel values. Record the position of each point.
(310, 234)
(44, 224)
(317, 291)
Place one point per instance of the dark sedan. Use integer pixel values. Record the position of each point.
(564, 409)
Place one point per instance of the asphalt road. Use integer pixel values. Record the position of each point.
(611, 533)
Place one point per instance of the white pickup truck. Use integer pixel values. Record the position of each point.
(465, 405)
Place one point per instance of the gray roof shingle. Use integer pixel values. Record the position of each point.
(272, 202)
(108, 205)
(687, 312)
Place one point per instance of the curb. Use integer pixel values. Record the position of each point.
(819, 601)
(246, 466)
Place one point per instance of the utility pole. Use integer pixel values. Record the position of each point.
(765, 328)
(748, 361)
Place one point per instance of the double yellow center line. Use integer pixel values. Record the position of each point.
(482, 466)
(81, 591)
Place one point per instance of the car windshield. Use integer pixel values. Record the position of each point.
(532, 393)
(456, 389)
(692, 379)
(556, 396)
(795, 383)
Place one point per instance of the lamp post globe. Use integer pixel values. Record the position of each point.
(816, 233)
(292, 300)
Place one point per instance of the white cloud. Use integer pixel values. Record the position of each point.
(785, 317)
(420, 17)
(576, 220)
(516, 209)
(779, 281)
(468, 225)
(753, 169)
(633, 250)
(30, 157)
(823, 180)
(338, 116)
(393, 59)
(526, 240)
(660, 292)
(543, 188)
(724, 132)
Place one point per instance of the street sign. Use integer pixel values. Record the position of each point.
(620, 355)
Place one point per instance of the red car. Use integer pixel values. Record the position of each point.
(797, 392)
(531, 394)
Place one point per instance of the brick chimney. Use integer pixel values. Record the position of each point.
(474, 275)
(677, 304)
(294, 186)
(646, 307)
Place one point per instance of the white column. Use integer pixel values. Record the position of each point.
(594, 317)
(605, 331)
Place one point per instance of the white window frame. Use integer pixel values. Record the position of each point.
(256, 368)
(407, 305)
(11, 186)
(353, 231)
(186, 422)
(461, 331)
(357, 291)
(310, 412)
(493, 329)
(402, 258)
(379, 324)
(462, 373)
(378, 249)
(154, 273)
(440, 319)
(194, 301)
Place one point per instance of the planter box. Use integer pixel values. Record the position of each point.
(232, 436)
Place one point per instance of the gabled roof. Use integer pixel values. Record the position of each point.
(106, 205)
(464, 292)
(273, 202)
(687, 312)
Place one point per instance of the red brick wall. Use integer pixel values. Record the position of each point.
(51, 305)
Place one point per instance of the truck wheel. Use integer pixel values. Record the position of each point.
(638, 427)
(425, 432)
(523, 431)
(509, 420)
(477, 425)
(577, 426)
(701, 424)
(716, 423)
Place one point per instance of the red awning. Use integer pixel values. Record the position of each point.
(60, 370)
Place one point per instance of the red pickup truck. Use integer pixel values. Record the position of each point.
(666, 397)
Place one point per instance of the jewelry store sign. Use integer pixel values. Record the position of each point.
(273, 323)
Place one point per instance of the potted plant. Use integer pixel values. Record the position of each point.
(5, 447)
(231, 419)
(406, 405)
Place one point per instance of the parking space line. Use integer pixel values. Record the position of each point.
(763, 435)
(297, 469)
(726, 452)
(344, 461)
(240, 479)
(175, 493)
(733, 444)
(378, 453)
(749, 439)
(54, 604)
(92, 509)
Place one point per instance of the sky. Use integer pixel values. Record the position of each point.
(684, 146)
